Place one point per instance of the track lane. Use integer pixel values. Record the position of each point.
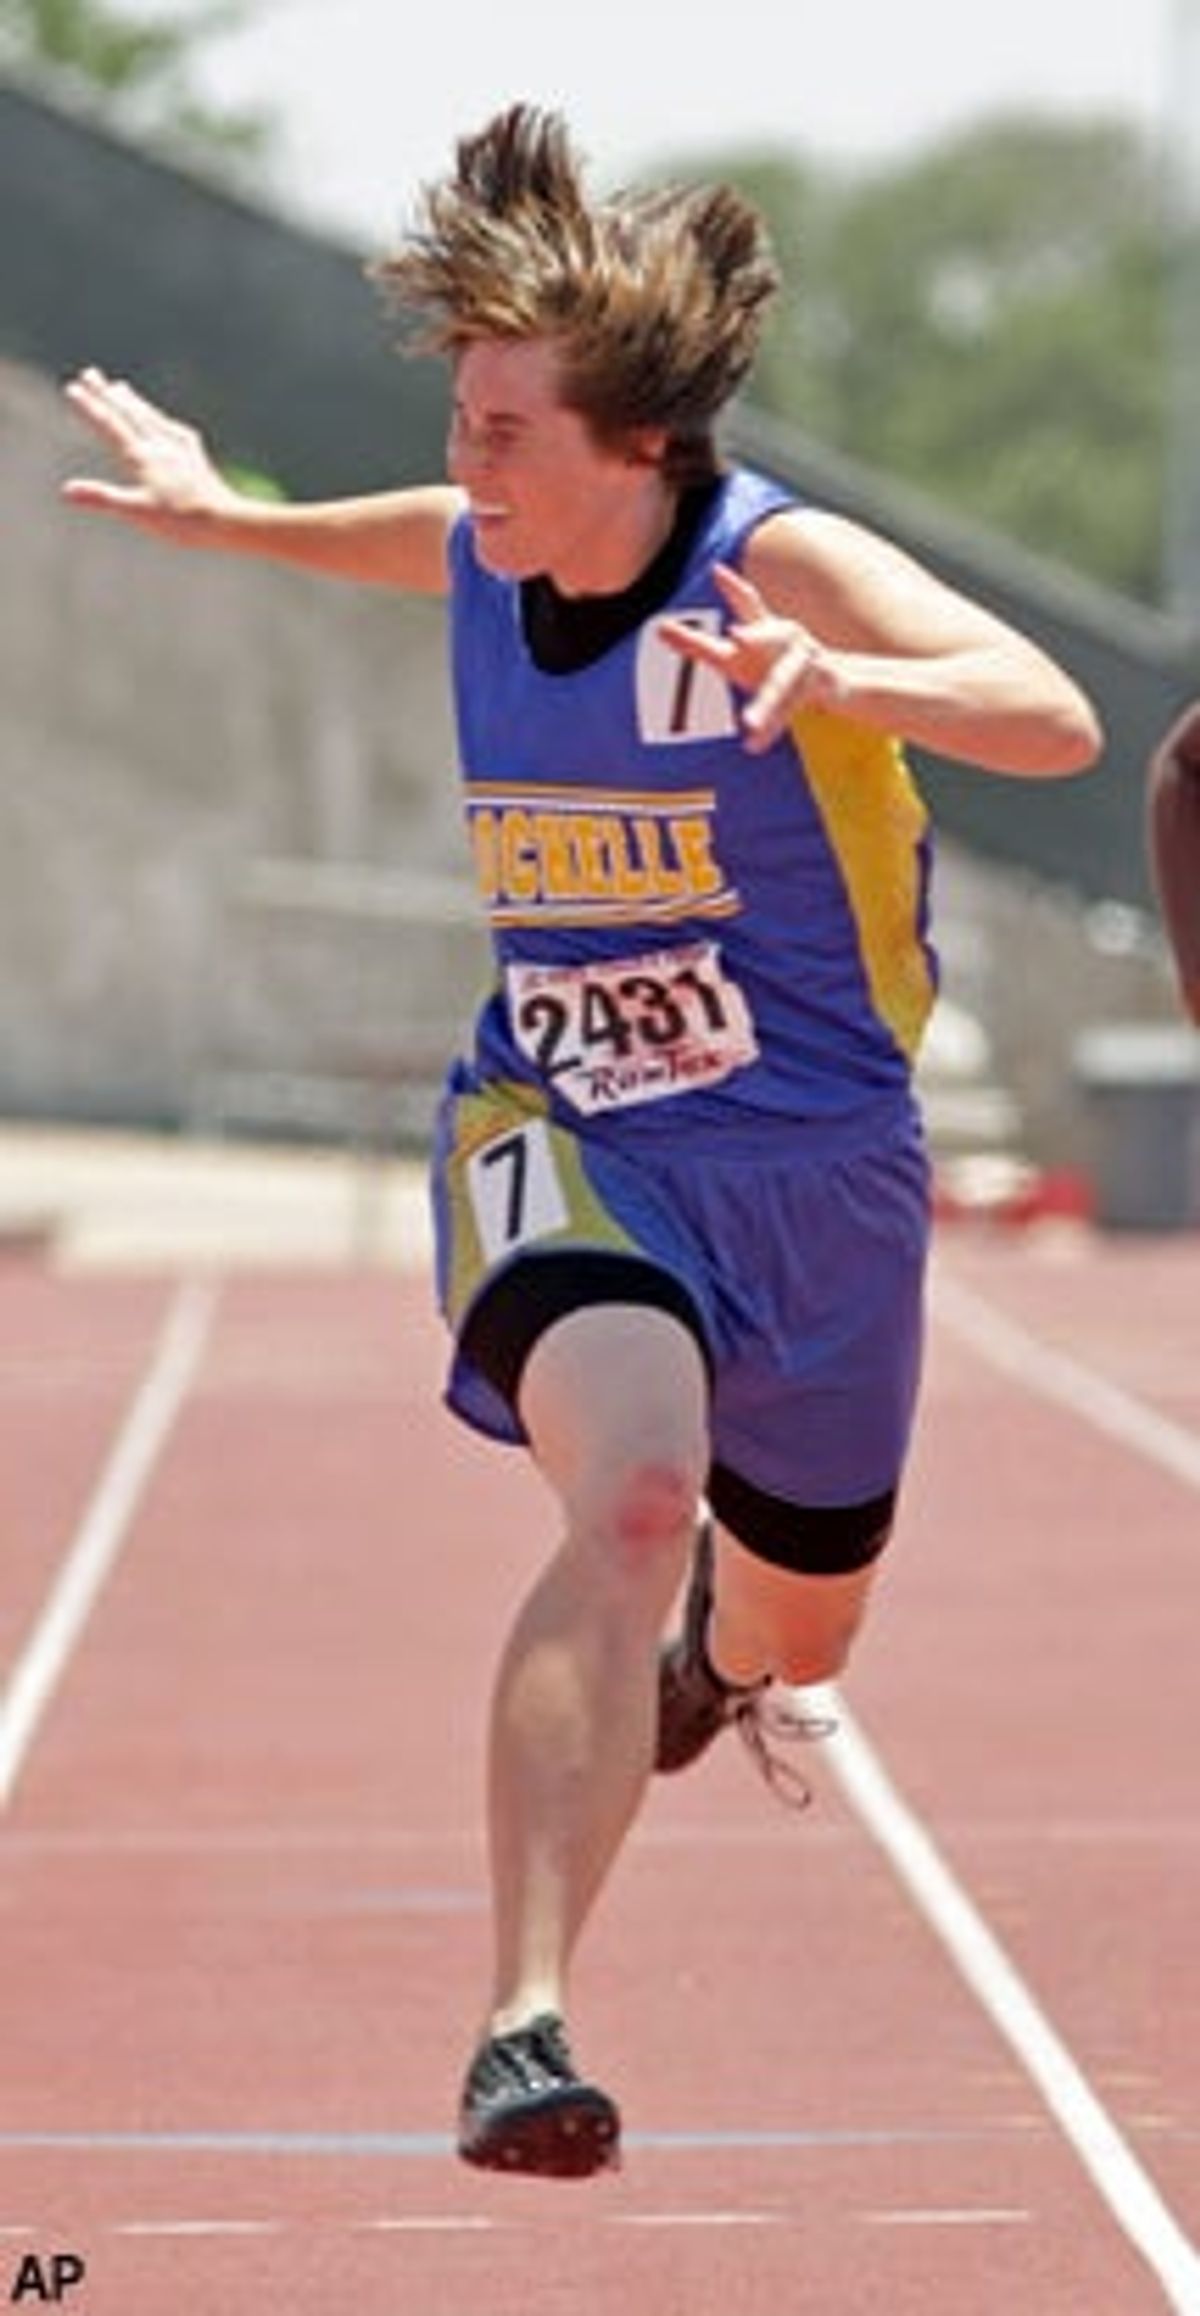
(69, 1364)
(256, 1798)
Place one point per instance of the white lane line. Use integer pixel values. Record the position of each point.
(190, 2228)
(423, 2224)
(1058, 1377)
(106, 1522)
(701, 2219)
(964, 2217)
(1125, 2187)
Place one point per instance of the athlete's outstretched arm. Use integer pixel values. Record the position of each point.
(172, 488)
(827, 614)
(1173, 803)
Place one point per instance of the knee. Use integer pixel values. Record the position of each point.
(653, 1506)
(803, 1659)
(814, 1644)
(644, 1510)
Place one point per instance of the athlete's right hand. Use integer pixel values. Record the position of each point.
(172, 488)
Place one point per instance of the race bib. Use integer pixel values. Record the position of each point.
(633, 1029)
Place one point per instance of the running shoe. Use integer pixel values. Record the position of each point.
(695, 1704)
(526, 2109)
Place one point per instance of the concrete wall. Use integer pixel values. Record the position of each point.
(1037, 969)
(172, 722)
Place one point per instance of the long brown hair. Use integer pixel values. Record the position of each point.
(654, 299)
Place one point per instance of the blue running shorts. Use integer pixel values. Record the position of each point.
(798, 1263)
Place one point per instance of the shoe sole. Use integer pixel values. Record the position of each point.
(567, 2134)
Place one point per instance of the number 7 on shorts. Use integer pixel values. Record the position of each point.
(515, 1190)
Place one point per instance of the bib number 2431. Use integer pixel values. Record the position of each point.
(633, 1029)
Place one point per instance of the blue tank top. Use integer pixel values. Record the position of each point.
(690, 939)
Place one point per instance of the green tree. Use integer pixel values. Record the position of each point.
(986, 320)
(137, 67)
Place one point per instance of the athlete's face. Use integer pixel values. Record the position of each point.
(544, 496)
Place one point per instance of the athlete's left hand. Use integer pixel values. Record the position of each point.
(777, 661)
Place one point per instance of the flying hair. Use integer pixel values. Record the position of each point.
(655, 299)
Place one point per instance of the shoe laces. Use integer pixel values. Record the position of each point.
(771, 1722)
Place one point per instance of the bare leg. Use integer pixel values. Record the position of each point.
(614, 1398)
(770, 1621)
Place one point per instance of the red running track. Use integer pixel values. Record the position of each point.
(251, 1587)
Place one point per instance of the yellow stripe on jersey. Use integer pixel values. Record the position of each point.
(875, 820)
(539, 795)
(575, 915)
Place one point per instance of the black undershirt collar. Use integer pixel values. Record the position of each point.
(567, 632)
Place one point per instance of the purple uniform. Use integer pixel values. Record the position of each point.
(693, 1075)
